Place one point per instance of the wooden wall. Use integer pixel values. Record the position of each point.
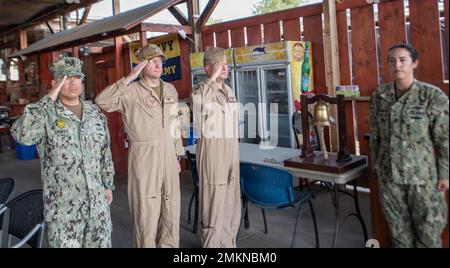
(3, 93)
(363, 56)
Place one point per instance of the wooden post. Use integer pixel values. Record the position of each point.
(23, 44)
(23, 39)
(116, 7)
(331, 49)
(115, 124)
(143, 38)
(76, 51)
(64, 22)
(118, 46)
(193, 15)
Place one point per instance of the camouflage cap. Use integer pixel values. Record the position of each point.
(67, 66)
(214, 53)
(150, 51)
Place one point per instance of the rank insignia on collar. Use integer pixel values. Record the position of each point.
(169, 100)
(60, 123)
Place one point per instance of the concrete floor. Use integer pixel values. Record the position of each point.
(280, 223)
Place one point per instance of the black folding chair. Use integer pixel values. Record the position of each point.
(6, 190)
(24, 219)
(192, 162)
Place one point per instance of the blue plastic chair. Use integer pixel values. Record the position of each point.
(192, 137)
(271, 188)
(195, 194)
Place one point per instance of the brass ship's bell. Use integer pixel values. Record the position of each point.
(322, 114)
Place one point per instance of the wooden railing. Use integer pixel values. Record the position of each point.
(365, 33)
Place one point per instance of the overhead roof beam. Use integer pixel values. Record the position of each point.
(206, 13)
(49, 14)
(113, 26)
(165, 28)
(49, 27)
(85, 15)
(136, 29)
(176, 12)
(193, 8)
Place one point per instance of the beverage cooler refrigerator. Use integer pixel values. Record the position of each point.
(270, 79)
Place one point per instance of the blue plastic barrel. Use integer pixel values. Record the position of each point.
(25, 152)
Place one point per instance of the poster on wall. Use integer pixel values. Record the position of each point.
(302, 71)
(260, 54)
(170, 46)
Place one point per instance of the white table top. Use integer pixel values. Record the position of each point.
(275, 156)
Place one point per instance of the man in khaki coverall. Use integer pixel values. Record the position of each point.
(215, 115)
(149, 110)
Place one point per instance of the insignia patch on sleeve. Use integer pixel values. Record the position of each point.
(169, 100)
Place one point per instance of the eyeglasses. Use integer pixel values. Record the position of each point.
(156, 61)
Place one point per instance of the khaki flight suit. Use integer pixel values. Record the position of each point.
(153, 180)
(215, 115)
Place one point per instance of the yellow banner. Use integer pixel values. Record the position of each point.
(196, 59)
(267, 52)
(169, 45)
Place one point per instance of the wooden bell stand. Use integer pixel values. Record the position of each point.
(336, 162)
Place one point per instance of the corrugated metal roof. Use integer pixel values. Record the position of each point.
(121, 21)
(22, 14)
(17, 12)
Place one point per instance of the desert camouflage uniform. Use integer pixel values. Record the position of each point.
(409, 151)
(76, 168)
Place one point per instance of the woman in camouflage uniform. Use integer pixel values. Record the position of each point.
(409, 149)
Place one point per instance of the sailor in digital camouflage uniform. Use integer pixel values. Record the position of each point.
(215, 111)
(150, 113)
(409, 149)
(77, 170)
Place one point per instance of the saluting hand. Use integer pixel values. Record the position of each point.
(442, 185)
(109, 196)
(217, 68)
(56, 88)
(135, 72)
